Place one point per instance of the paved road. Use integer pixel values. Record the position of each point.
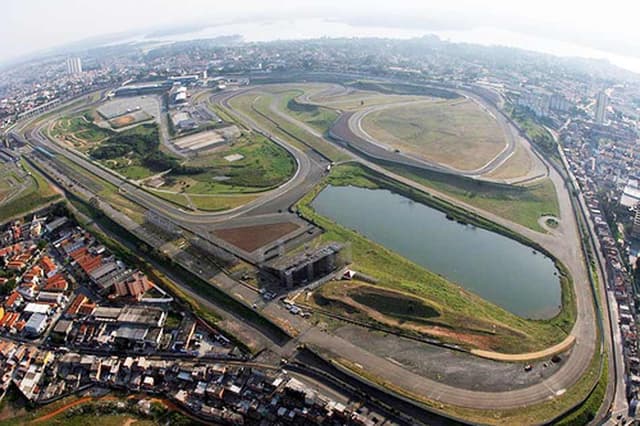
(355, 125)
(308, 173)
(360, 139)
(563, 243)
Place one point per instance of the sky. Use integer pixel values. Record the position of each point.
(28, 26)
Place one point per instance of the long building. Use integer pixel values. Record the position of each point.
(74, 66)
(602, 102)
(143, 88)
(309, 266)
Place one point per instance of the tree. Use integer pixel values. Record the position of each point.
(8, 287)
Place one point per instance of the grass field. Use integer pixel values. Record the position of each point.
(463, 317)
(220, 202)
(318, 117)
(133, 153)
(105, 420)
(453, 131)
(38, 193)
(12, 180)
(210, 181)
(79, 131)
(73, 410)
(354, 100)
(257, 106)
(263, 166)
(520, 204)
(206, 202)
(519, 164)
(457, 132)
(535, 131)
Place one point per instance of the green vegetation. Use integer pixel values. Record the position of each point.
(257, 106)
(173, 320)
(15, 409)
(476, 321)
(534, 131)
(264, 165)
(318, 117)
(219, 203)
(112, 411)
(402, 89)
(75, 418)
(135, 154)
(37, 194)
(177, 199)
(587, 411)
(551, 222)
(520, 204)
(80, 129)
(211, 202)
(394, 304)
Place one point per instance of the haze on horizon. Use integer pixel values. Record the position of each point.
(587, 28)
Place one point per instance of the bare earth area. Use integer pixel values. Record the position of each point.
(251, 238)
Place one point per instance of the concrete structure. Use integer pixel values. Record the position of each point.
(630, 194)
(185, 334)
(143, 89)
(36, 324)
(602, 102)
(309, 266)
(558, 102)
(184, 79)
(183, 121)
(635, 229)
(37, 308)
(74, 66)
(142, 315)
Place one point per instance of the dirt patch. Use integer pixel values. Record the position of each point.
(129, 421)
(394, 316)
(251, 238)
(122, 121)
(63, 409)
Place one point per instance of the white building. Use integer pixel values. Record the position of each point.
(36, 324)
(74, 66)
(630, 194)
(38, 308)
(602, 102)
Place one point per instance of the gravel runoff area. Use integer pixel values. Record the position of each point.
(449, 366)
